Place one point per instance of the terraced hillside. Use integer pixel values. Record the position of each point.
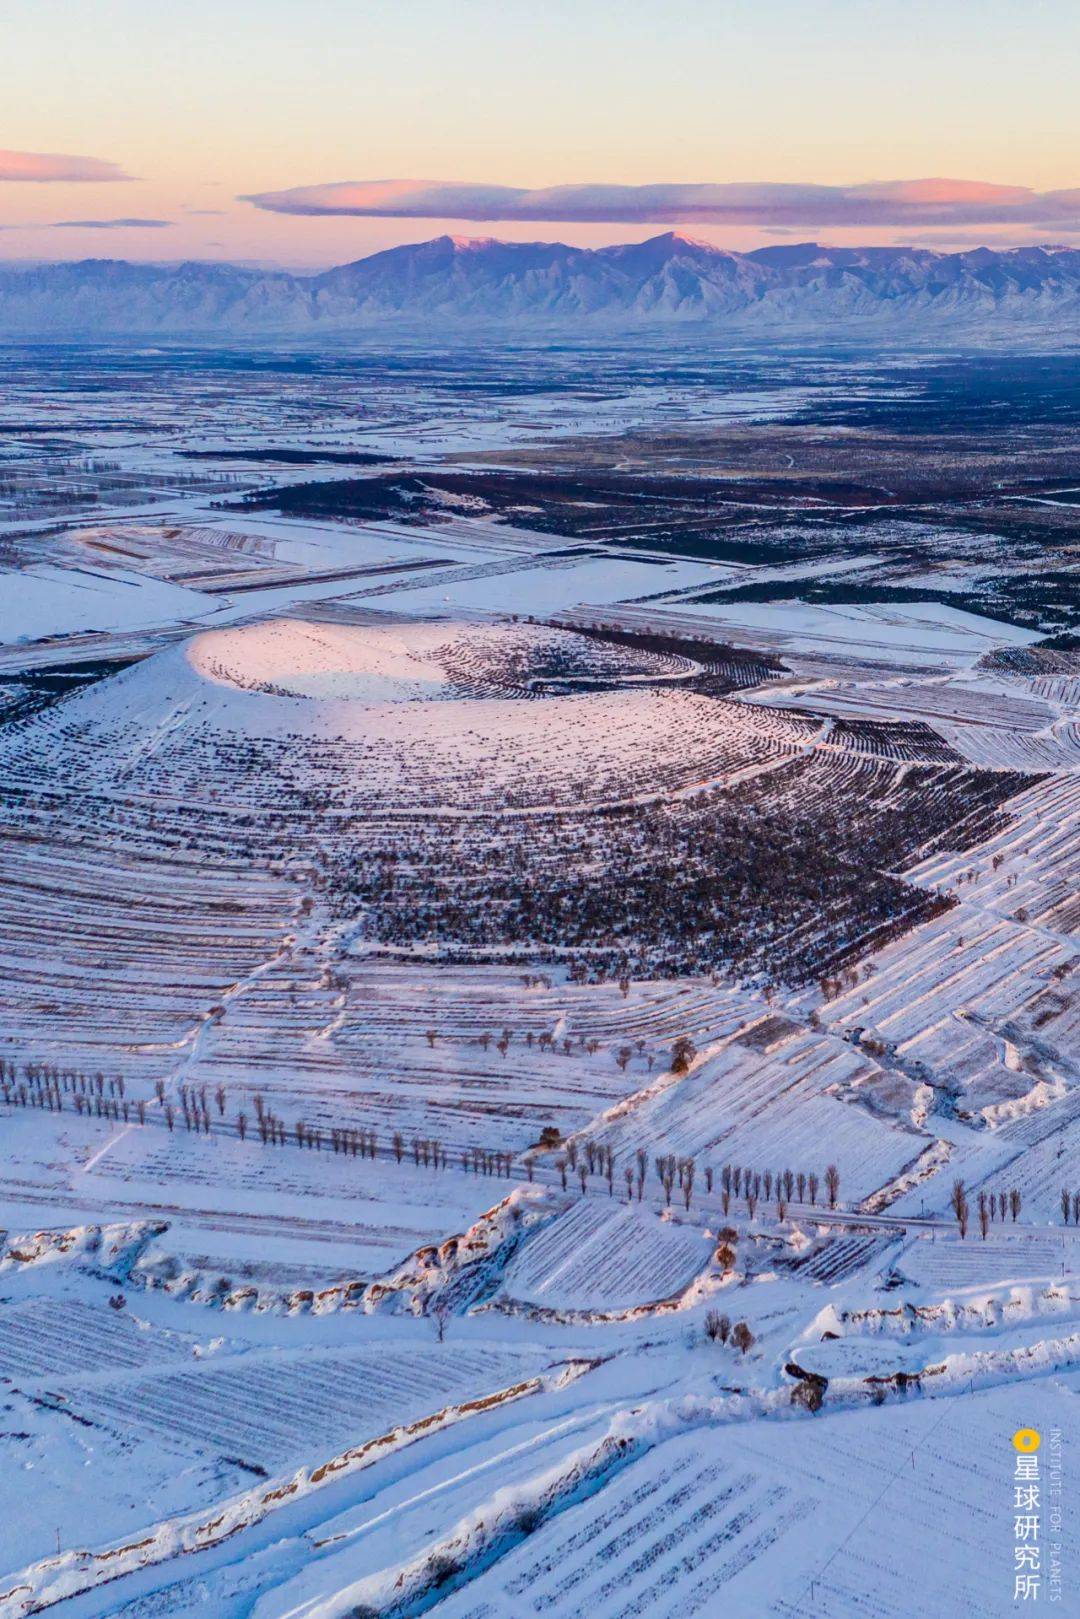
(175, 833)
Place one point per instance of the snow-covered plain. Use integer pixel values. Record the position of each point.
(382, 1347)
(50, 602)
(916, 633)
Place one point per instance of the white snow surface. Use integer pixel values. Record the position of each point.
(327, 661)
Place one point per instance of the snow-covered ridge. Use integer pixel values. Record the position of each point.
(426, 715)
(669, 278)
(414, 662)
(290, 659)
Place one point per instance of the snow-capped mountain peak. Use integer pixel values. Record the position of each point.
(669, 278)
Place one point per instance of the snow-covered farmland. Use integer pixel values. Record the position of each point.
(1015, 1257)
(275, 1408)
(63, 602)
(387, 985)
(274, 1218)
(771, 1109)
(597, 1258)
(928, 632)
(768, 1518)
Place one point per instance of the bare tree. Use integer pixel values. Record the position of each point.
(742, 1338)
(683, 1053)
(832, 1184)
(717, 1327)
(1014, 1202)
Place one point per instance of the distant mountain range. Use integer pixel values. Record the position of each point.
(887, 292)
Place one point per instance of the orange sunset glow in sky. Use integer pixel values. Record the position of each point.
(273, 132)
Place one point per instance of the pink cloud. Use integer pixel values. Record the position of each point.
(901, 203)
(45, 166)
(942, 193)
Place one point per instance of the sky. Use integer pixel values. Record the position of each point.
(497, 107)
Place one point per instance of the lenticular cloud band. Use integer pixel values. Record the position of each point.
(890, 202)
